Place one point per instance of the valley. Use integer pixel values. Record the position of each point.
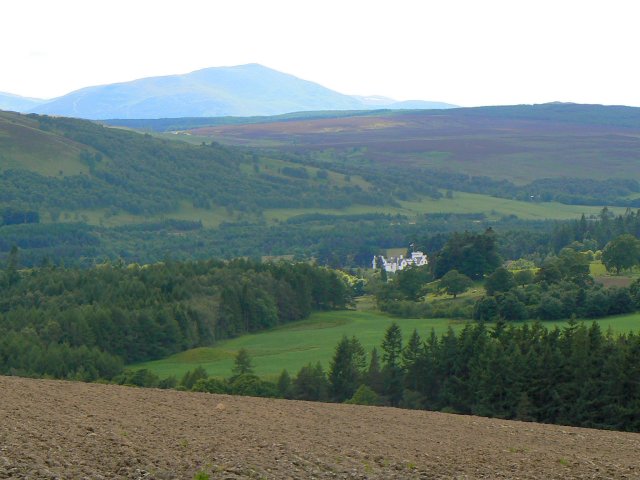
(258, 240)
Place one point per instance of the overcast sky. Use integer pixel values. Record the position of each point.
(471, 52)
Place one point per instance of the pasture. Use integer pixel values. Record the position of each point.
(314, 340)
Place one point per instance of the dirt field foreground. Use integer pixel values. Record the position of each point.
(68, 430)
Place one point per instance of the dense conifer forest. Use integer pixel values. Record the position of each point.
(87, 323)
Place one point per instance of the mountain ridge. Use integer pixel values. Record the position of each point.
(243, 90)
(18, 103)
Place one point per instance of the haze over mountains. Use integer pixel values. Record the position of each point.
(9, 101)
(245, 90)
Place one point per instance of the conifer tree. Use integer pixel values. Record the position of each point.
(242, 363)
(347, 368)
(374, 374)
(392, 371)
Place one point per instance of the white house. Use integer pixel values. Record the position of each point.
(394, 264)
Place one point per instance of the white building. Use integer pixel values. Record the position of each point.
(394, 264)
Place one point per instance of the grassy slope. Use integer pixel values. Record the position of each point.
(314, 340)
(23, 145)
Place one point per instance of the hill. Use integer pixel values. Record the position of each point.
(79, 191)
(517, 143)
(53, 429)
(80, 164)
(243, 90)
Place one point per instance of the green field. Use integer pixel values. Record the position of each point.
(492, 207)
(461, 202)
(314, 340)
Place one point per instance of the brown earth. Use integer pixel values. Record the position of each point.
(55, 430)
(614, 281)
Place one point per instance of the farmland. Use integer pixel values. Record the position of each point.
(55, 429)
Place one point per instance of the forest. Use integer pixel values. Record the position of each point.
(548, 286)
(85, 324)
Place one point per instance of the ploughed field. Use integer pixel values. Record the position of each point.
(54, 429)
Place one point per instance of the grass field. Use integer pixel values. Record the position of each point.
(492, 207)
(461, 202)
(314, 340)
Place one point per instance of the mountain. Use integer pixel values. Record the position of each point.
(245, 90)
(377, 101)
(223, 91)
(419, 105)
(16, 103)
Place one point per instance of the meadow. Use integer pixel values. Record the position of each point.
(314, 340)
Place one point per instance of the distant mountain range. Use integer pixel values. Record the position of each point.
(245, 90)
(16, 103)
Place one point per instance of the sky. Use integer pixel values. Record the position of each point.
(465, 52)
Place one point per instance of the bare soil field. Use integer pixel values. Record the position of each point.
(67, 430)
(615, 281)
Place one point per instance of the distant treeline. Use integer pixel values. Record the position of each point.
(333, 240)
(85, 324)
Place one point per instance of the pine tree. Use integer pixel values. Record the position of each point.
(242, 363)
(311, 383)
(410, 358)
(392, 345)
(392, 372)
(346, 369)
(374, 374)
(285, 388)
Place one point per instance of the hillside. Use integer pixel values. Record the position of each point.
(517, 143)
(53, 429)
(79, 191)
(50, 164)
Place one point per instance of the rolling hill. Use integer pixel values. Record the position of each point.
(78, 190)
(56, 429)
(516, 143)
(243, 90)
